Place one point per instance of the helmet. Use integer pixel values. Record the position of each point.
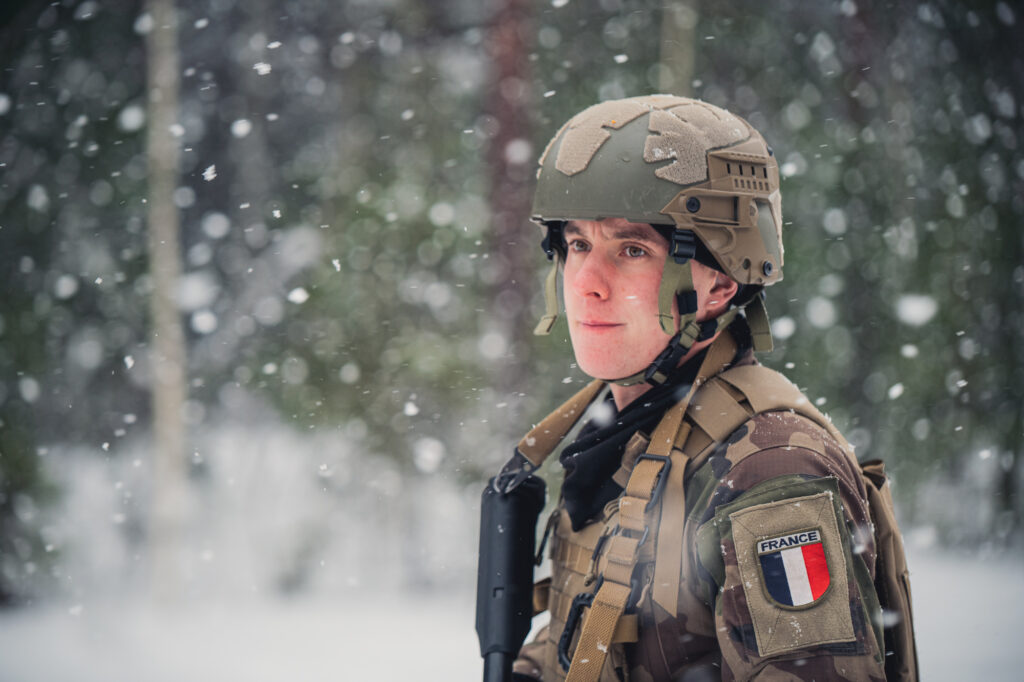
(700, 173)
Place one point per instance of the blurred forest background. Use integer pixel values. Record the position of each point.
(269, 279)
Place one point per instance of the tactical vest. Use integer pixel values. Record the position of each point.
(606, 574)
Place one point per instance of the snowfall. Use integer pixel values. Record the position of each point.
(967, 613)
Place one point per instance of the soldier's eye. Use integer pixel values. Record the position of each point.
(578, 245)
(635, 251)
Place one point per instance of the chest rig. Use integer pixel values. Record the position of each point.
(602, 574)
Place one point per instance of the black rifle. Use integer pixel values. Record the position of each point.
(504, 588)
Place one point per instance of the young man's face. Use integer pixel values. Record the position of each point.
(611, 280)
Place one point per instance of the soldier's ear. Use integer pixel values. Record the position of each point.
(726, 285)
(722, 290)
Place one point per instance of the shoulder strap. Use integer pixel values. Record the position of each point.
(541, 441)
(537, 445)
(669, 526)
(718, 412)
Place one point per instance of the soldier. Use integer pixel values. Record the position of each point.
(712, 523)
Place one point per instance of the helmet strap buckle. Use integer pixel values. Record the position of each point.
(668, 359)
(683, 246)
(657, 372)
(554, 238)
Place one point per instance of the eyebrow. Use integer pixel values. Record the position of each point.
(634, 233)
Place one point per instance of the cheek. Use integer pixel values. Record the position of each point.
(643, 294)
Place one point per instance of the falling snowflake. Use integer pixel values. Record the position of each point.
(241, 127)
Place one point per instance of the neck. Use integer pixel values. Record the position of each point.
(624, 395)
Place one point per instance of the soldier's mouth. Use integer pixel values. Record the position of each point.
(598, 325)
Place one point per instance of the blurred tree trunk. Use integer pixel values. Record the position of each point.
(1007, 362)
(511, 160)
(168, 351)
(678, 48)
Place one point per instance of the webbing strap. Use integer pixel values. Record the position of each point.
(676, 279)
(669, 558)
(541, 595)
(717, 412)
(598, 632)
(627, 630)
(543, 327)
(766, 390)
(664, 435)
(760, 326)
(542, 439)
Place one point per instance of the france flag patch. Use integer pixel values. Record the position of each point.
(794, 567)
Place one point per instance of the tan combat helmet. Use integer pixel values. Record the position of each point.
(677, 163)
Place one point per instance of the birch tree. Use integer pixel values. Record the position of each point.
(168, 342)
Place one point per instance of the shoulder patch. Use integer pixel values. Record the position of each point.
(794, 568)
(792, 563)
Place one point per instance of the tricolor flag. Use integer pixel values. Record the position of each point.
(794, 567)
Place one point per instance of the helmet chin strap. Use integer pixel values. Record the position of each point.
(677, 285)
(543, 327)
(552, 239)
(657, 373)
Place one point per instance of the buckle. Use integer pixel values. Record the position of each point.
(708, 328)
(643, 538)
(659, 485)
(572, 622)
(582, 601)
(598, 546)
(665, 362)
(683, 246)
(687, 301)
(552, 238)
(636, 593)
(516, 470)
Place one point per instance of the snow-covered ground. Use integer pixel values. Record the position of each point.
(295, 640)
(969, 617)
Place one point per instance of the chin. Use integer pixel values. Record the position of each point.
(607, 370)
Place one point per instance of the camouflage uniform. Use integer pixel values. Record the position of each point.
(780, 473)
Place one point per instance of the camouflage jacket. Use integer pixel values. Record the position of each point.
(778, 563)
